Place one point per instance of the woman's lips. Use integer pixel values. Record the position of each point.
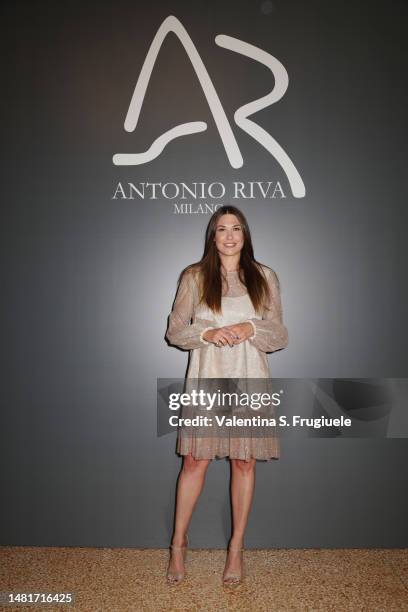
(230, 244)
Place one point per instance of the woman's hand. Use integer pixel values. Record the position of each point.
(242, 331)
(220, 336)
(229, 334)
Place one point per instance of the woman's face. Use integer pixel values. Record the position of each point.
(229, 235)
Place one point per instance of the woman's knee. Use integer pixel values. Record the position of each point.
(242, 466)
(190, 464)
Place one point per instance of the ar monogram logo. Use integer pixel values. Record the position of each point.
(241, 115)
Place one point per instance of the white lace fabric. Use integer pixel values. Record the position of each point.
(270, 334)
(189, 320)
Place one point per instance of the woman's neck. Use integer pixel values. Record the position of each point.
(231, 266)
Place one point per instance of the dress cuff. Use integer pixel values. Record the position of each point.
(253, 327)
(202, 333)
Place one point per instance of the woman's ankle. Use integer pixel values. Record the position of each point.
(236, 544)
(179, 540)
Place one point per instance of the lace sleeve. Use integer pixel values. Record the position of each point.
(181, 332)
(270, 334)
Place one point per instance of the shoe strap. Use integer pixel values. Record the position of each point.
(180, 547)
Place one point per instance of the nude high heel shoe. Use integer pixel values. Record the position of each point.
(177, 577)
(233, 577)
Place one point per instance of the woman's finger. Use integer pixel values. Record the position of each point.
(229, 338)
(221, 339)
(230, 332)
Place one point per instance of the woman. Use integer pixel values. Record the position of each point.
(235, 307)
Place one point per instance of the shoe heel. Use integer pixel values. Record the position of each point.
(234, 578)
(177, 577)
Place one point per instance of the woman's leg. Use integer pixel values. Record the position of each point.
(242, 490)
(189, 486)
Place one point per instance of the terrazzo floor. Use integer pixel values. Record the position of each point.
(124, 579)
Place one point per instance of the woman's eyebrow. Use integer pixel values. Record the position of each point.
(235, 225)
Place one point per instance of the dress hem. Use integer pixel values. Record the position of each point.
(217, 456)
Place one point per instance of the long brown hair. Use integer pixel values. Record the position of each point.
(209, 267)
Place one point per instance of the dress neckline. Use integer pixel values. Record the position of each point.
(233, 297)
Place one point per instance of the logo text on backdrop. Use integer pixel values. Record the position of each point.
(241, 115)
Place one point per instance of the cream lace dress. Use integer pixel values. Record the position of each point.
(189, 321)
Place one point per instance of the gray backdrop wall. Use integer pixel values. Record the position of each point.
(89, 279)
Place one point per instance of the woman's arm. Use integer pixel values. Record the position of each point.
(270, 334)
(180, 331)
